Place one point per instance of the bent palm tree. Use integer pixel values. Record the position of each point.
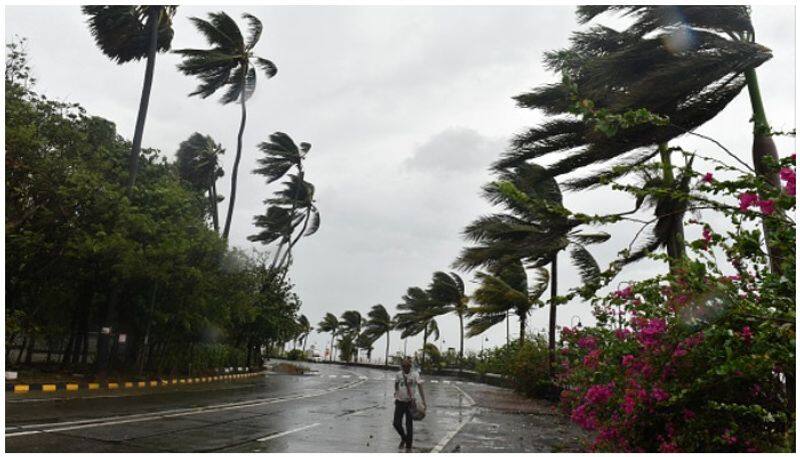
(535, 230)
(280, 155)
(305, 329)
(231, 64)
(350, 324)
(379, 322)
(329, 324)
(197, 160)
(133, 32)
(419, 311)
(449, 295)
(503, 291)
(732, 27)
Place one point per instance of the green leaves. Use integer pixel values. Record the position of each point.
(121, 32)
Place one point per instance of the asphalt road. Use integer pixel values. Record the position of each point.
(336, 409)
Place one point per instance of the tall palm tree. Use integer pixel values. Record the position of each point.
(305, 329)
(535, 229)
(281, 155)
(365, 341)
(197, 160)
(418, 316)
(449, 294)
(133, 32)
(379, 322)
(231, 64)
(350, 324)
(329, 324)
(732, 28)
(503, 291)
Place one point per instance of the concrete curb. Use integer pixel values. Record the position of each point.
(20, 388)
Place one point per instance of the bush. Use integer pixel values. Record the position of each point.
(525, 368)
(296, 354)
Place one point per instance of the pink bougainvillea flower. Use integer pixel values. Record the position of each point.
(747, 334)
(688, 414)
(788, 175)
(587, 342)
(746, 200)
(767, 206)
(708, 177)
(659, 394)
(600, 393)
(627, 360)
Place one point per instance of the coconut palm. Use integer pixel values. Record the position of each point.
(231, 64)
(733, 29)
(305, 328)
(365, 341)
(503, 291)
(197, 160)
(281, 155)
(449, 295)
(350, 324)
(418, 316)
(329, 324)
(133, 32)
(379, 322)
(535, 229)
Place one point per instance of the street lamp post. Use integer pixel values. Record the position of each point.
(573, 320)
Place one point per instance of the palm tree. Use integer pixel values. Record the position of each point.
(448, 293)
(733, 29)
(280, 155)
(419, 311)
(329, 324)
(502, 291)
(231, 64)
(350, 324)
(379, 322)
(535, 230)
(133, 32)
(197, 160)
(305, 329)
(364, 341)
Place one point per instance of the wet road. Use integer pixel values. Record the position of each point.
(339, 409)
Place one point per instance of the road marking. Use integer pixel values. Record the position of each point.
(278, 435)
(331, 375)
(346, 376)
(363, 377)
(446, 439)
(99, 422)
(446, 382)
(435, 381)
(466, 395)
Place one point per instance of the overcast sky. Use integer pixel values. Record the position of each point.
(405, 108)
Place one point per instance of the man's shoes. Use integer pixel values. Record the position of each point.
(402, 444)
(408, 445)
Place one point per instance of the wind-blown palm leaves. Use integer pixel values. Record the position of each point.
(197, 160)
(732, 28)
(379, 322)
(230, 64)
(350, 325)
(418, 316)
(502, 291)
(305, 328)
(687, 81)
(329, 324)
(293, 205)
(133, 32)
(449, 296)
(535, 229)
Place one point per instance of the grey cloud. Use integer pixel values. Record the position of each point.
(455, 150)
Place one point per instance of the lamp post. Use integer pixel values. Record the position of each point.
(573, 320)
(482, 341)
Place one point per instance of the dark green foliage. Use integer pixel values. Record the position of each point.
(120, 31)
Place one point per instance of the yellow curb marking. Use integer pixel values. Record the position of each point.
(113, 385)
(72, 387)
(21, 388)
(141, 383)
(182, 381)
(153, 383)
(128, 385)
(94, 385)
(174, 381)
(48, 387)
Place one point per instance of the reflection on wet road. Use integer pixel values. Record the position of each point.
(337, 409)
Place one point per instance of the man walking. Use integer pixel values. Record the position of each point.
(404, 385)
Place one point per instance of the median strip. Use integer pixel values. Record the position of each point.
(22, 388)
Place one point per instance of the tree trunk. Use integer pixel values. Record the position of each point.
(508, 328)
(386, 362)
(235, 172)
(333, 337)
(424, 343)
(214, 207)
(22, 349)
(31, 350)
(521, 331)
(133, 162)
(763, 150)
(551, 345)
(305, 340)
(461, 349)
(675, 246)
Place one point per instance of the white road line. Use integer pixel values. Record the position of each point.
(331, 375)
(100, 422)
(446, 382)
(363, 377)
(435, 381)
(446, 439)
(346, 376)
(466, 395)
(288, 432)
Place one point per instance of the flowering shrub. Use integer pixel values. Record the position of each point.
(697, 359)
